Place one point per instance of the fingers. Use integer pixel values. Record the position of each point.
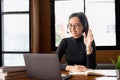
(84, 34)
(89, 32)
(78, 68)
(90, 35)
(82, 68)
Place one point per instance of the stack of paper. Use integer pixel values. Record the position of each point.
(12, 72)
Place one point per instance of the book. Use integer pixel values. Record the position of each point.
(96, 72)
(13, 75)
(12, 68)
(16, 73)
(12, 72)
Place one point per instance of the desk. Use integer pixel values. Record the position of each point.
(86, 77)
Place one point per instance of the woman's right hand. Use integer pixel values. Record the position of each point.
(76, 68)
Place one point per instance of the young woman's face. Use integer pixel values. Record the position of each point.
(75, 27)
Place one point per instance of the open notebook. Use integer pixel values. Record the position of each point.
(43, 66)
(96, 72)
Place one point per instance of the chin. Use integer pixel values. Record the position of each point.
(75, 36)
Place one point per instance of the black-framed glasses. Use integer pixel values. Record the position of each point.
(76, 26)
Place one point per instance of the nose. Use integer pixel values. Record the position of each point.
(73, 28)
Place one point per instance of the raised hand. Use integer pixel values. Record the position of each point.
(88, 39)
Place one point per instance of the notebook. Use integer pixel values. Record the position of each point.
(43, 67)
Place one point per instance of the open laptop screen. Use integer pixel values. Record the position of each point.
(43, 66)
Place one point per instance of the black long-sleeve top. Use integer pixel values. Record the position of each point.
(75, 53)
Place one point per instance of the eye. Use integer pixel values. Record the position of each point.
(77, 25)
(74, 25)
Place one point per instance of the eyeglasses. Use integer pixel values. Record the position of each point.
(76, 26)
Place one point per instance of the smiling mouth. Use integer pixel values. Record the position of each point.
(74, 32)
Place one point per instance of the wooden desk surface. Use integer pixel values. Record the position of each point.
(85, 77)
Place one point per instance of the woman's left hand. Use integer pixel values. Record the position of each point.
(88, 39)
(77, 68)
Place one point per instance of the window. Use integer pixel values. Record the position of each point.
(15, 20)
(101, 15)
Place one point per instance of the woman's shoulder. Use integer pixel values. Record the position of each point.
(66, 40)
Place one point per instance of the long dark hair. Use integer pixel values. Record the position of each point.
(83, 19)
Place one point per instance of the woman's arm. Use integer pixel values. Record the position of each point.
(90, 49)
(91, 58)
(61, 51)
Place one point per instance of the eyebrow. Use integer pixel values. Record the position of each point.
(74, 23)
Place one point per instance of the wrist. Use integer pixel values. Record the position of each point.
(89, 50)
(68, 68)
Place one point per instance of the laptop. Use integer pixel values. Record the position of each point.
(43, 67)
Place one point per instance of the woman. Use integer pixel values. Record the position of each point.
(79, 49)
